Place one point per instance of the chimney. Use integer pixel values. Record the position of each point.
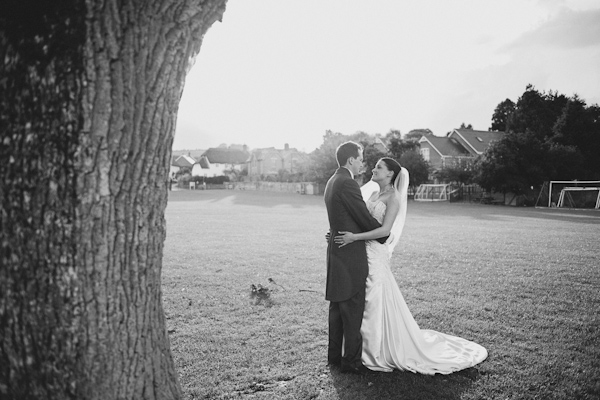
(287, 146)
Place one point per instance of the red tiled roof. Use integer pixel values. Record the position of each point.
(479, 140)
(445, 146)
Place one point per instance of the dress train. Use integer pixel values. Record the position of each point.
(392, 338)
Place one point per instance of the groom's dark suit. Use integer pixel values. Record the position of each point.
(347, 267)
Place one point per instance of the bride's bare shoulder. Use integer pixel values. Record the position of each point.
(390, 200)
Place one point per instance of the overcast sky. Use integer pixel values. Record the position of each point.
(285, 71)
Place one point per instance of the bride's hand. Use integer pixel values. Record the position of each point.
(345, 238)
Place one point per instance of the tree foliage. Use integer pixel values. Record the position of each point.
(536, 113)
(417, 167)
(549, 137)
(417, 134)
(322, 160)
(457, 170)
(407, 153)
(501, 114)
(397, 146)
(323, 163)
(371, 155)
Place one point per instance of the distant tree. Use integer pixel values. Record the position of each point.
(323, 163)
(579, 126)
(463, 126)
(371, 155)
(506, 165)
(501, 115)
(283, 175)
(458, 170)
(183, 171)
(518, 162)
(549, 136)
(322, 160)
(397, 146)
(233, 173)
(416, 134)
(416, 166)
(360, 137)
(536, 113)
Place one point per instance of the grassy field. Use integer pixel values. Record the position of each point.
(523, 282)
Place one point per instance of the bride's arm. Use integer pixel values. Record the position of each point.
(392, 208)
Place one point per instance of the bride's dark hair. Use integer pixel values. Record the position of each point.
(392, 165)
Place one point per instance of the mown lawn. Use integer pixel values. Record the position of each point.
(523, 282)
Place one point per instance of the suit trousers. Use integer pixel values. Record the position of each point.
(345, 319)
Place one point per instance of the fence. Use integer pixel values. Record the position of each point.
(200, 186)
(309, 188)
(470, 193)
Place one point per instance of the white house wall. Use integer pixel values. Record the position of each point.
(215, 169)
(173, 169)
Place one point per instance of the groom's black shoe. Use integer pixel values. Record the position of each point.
(355, 369)
(334, 361)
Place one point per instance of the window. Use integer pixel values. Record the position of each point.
(425, 153)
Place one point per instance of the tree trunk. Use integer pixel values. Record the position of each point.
(89, 92)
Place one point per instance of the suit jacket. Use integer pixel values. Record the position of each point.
(347, 267)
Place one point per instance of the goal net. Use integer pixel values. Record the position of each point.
(433, 192)
(570, 194)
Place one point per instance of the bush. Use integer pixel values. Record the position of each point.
(215, 180)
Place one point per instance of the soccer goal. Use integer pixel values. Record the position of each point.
(571, 194)
(433, 192)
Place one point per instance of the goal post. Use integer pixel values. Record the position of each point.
(574, 194)
(433, 192)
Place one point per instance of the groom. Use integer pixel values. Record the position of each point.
(347, 267)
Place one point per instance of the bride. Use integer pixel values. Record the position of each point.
(391, 337)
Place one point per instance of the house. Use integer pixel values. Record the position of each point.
(179, 162)
(379, 144)
(269, 161)
(458, 144)
(219, 161)
(475, 142)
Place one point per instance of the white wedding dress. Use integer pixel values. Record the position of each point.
(391, 337)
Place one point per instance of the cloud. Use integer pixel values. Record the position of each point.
(568, 30)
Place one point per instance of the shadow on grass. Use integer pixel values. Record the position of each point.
(404, 385)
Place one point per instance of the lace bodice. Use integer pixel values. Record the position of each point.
(376, 209)
(377, 253)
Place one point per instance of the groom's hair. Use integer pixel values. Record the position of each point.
(345, 151)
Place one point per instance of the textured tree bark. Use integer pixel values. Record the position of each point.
(89, 92)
